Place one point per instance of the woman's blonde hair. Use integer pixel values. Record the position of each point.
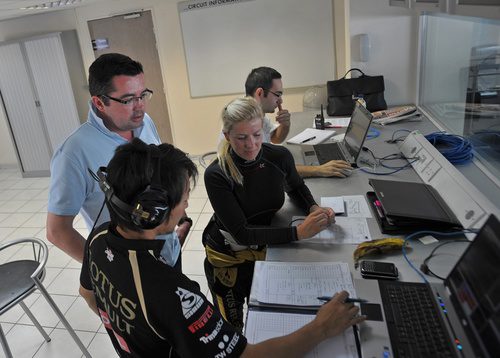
(236, 111)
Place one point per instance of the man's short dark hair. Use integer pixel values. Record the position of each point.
(107, 66)
(129, 173)
(261, 77)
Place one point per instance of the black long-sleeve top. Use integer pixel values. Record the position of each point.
(246, 211)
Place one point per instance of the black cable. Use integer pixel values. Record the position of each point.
(425, 264)
(96, 178)
(394, 156)
(97, 218)
(398, 139)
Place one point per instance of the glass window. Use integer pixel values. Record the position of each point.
(460, 80)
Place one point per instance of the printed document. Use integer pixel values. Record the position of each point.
(355, 205)
(345, 230)
(299, 283)
(335, 202)
(262, 325)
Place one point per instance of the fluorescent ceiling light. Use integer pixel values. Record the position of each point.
(51, 5)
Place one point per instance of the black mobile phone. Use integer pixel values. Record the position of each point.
(378, 269)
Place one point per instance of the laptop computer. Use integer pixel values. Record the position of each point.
(406, 207)
(463, 312)
(349, 148)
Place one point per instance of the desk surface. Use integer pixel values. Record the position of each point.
(357, 184)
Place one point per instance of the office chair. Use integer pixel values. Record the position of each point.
(207, 158)
(21, 278)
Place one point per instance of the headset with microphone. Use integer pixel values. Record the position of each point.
(150, 207)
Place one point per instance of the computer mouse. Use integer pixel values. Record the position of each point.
(346, 172)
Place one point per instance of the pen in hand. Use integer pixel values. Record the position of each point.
(308, 139)
(347, 300)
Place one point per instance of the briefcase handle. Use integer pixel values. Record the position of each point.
(353, 69)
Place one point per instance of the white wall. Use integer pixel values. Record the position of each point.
(195, 122)
(393, 34)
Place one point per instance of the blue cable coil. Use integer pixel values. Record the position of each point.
(455, 148)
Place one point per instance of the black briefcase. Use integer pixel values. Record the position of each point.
(343, 93)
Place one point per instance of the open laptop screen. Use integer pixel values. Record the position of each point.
(357, 130)
(474, 284)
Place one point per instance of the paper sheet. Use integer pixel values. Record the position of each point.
(311, 136)
(334, 202)
(346, 230)
(357, 206)
(262, 325)
(300, 283)
(337, 122)
(350, 205)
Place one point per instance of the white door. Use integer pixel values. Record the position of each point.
(134, 36)
(53, 87)
(22, 109)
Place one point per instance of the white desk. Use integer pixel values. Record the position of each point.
(357, 184)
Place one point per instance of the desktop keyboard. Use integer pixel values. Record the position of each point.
(413, 321)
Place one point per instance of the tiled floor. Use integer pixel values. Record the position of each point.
(23, 210)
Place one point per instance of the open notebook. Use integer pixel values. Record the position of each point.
(311, 136)
(284, 298)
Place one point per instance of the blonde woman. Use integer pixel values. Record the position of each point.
(246, 186)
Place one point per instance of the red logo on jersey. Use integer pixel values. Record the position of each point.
(105, 319)
(122, 342)
(200, 322)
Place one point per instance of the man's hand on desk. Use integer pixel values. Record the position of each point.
(318, 219)
(336, 316)
(333, 168)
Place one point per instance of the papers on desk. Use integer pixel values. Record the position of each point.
(349, 205)
(337, 203)
(279, 286)
(349, 229)
(396, 114)
(337, 122)
(311, 136)
(298, 284)
(263, 325)
(345, 230)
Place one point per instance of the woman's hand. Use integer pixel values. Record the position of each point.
(318, 220)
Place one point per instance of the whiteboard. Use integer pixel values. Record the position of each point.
(225, 39)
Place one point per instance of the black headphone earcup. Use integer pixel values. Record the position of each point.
(150, 208)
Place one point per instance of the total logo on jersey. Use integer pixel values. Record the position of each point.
(227, 346)
(190, 302)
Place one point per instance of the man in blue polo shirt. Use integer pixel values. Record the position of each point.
(116, 116)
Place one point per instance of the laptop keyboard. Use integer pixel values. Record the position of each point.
(327, 152)
(413, 320)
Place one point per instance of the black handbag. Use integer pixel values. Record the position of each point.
(343, 93)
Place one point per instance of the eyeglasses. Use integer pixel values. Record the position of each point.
(145, 96)
(277, 94)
